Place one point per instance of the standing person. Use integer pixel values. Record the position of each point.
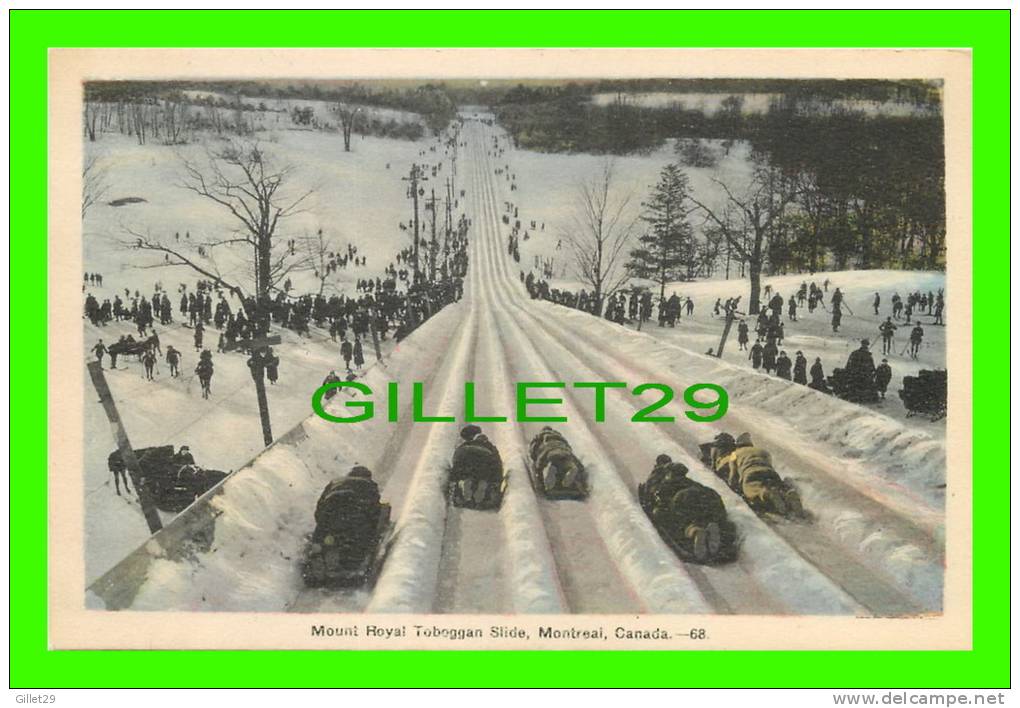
(690, 306)
(837, 298)
(876, 302)
(100, 350)
(887, 329)
(205, 372)
(199, 330)
(755, 355)
(818, 377)
(800, 369)
(837, 317)
(359, 353)
(768, 356)
(860, 375)
(346, 351)
(939, 307)
(742, 336)
(272, 366)
(783, 366)
(916, 335)
(173, 358)
(149, 361)
(792, 308)
(883, 375)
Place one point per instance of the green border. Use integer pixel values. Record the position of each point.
(32, 32)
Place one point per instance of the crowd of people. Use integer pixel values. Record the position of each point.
(860, 379)
(379, 306)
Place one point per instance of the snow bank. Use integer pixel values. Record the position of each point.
(900, 527)
(238, 548)
(409, 578)
(769, 559)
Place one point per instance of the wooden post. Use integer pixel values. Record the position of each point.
(730, 316)
(127, 454)
(256, 346)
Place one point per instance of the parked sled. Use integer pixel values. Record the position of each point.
(173, 479)
(926, 393)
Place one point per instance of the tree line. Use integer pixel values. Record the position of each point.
(866, 191)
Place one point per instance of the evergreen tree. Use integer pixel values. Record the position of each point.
(667, 251)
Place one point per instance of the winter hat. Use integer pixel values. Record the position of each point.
(359, 472)
(470, 431)
(663, 460)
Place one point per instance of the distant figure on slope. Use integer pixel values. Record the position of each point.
(800, 369)
(768, 358)
(916, 335)
(148, 361)
(173, 358)
(100, 351)
(883, 375)
(887, 329)
(783, 366)
(837, 318)
(876, 302)
(346, 352)
(756, 354)
(818, 382)
(205, 372)
(359, 353)
(742, 335)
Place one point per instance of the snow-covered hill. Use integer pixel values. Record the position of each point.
(870, 479)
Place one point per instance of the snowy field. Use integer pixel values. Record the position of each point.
(872, 479)
(358, 198)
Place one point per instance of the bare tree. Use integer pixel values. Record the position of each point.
(347, 116)
(239, 178)
(315, 253)
(600, 230)
(93, 183)
(749, 220)
(91, 115)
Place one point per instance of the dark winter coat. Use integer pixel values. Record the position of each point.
(783, 365)
(883, 375)
(800, 370)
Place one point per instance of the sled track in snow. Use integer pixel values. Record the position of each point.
(725, 589)
(869, 587)
(394, 471)
(587, 577)
(602, 555)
